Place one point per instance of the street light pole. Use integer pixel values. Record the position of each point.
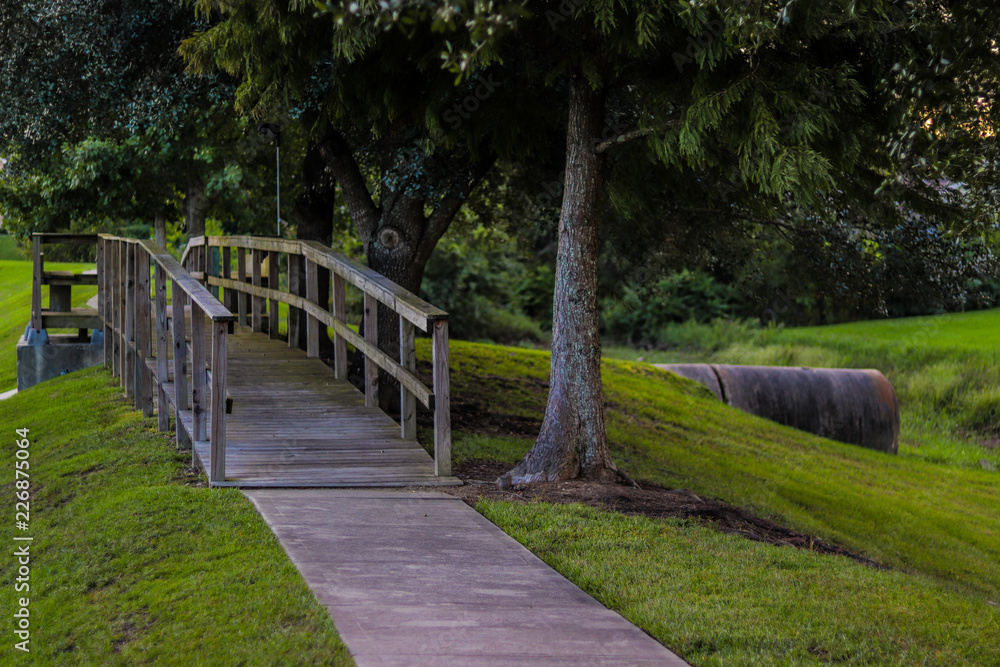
(273, 131)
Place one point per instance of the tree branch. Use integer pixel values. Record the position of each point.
(449, 205)
(340, 159)
(620, 139)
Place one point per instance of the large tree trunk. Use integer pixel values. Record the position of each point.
(313, 211)
(573, 441)
(398, 238)
(195, 206)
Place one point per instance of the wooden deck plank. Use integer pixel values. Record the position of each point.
(293, 424)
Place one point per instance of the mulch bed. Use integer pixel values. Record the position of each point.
(649, 500)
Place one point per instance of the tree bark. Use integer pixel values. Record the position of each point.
(398, 238)
(573, 440)
(313, 211)
(195, 206)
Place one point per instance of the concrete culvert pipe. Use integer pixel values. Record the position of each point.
(858, 407)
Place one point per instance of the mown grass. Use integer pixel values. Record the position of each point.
(9, 249)
(132, 563)
(719, 599)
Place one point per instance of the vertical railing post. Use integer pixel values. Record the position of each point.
(227, 272)
(241, 276)
(114, 295)
(256, 302)
(100, 282)
(217, 465)
(143, 344)
(107, 318)
(371, 335)
(122, 342)
(38, 267)
(274, 283)
(339, 299)
(199, 403)
(162, 350)
(128, 368)
(213, 265)
(294, 335)
(442, 400)
(408, 359)
(180, 357)
(312, 295)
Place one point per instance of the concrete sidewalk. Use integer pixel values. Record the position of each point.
(420, 578)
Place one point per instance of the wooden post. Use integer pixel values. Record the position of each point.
(256, 302)
(442, 401)
(106, 297)
(294, 335)
(199, 402)
(339, 299)
(213, 265)
(143, 344)
(408, 359)
(227, 272)
(273, 282)
(371, 335)
(241, 277)
(122, 342)
(217, 471)
(100, 283)
(113, 294)
(312, 295)
(38, 267)
(128, 365)
(180, 358)
(131, 368)
(162, 404)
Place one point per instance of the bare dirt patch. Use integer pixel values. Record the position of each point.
(649, 500)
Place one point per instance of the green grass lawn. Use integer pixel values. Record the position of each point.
(725, 600)
(9, 249)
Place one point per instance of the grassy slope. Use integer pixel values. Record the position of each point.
(131, 564)
(937, 519)
(723, 600)
(15, 309)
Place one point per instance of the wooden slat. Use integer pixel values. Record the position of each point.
(130, 367)
(36, 282)
(60, 278)
(257, 303)
(408, 359)
(241, 277)
(273, 281)
(220, 344)
(312, 323)
(180, 358)
(442, 400)
(294, 289)
(227, 269)
(62, 237)
(122, 311)
(338, 298)
(78, 318)
(199, 403)
(371, 336)
(142, 337)
(115, 293)
(162, 406)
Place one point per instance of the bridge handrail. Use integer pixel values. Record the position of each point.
(413, 312)
(125, 308)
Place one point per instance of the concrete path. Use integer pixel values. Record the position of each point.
(420, 578)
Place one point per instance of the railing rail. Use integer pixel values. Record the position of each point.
(126, 311)
(413, 313)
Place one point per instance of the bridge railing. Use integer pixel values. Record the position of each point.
(126, 308)
(251, 253)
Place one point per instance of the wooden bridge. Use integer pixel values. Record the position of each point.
(255, 410)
